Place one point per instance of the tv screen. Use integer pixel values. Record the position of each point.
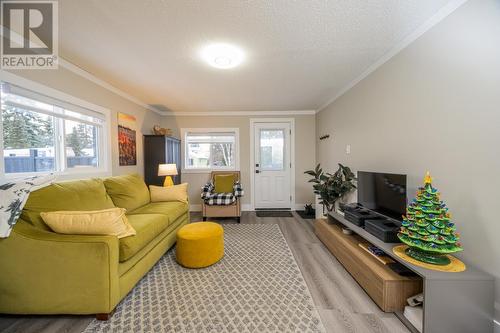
(384, 193)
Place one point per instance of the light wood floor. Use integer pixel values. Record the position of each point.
(342, 304)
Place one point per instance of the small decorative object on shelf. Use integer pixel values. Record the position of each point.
(427, 228)
(157, 130)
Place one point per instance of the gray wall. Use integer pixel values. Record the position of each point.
(304, 151)
(435, 106)
(73, 84)
(77, 86)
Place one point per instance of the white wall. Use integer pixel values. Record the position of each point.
(77, 86)
(304, 151)
(435, 106)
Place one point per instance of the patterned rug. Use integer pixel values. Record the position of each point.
(256, 287)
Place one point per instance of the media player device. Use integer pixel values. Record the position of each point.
(358, 216)
(384, 229)
(401, 269)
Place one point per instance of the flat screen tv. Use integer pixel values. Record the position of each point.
(384, 193)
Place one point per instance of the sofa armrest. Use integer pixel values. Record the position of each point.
(48, 273)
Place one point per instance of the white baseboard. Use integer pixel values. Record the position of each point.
(195, 208)
(299, 206)
(248, 207)
(244, 207)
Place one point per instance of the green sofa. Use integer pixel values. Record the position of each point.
(42, 272)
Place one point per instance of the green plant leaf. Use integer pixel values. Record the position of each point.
(331, 187)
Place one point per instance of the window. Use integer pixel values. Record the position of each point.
(210, 149)
(272, 143)
(44, 134)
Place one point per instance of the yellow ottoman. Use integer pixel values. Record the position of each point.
(200, 244)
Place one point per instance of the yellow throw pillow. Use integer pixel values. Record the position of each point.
(97, 222)
(169, 193)
(224, 183)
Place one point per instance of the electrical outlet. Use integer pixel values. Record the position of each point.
(348, 149)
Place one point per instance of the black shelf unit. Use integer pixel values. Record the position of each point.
(160, 149)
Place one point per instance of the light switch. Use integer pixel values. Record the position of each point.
(348, 149)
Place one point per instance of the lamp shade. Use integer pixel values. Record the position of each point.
(167, 170)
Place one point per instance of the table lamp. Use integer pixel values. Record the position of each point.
(167, 170)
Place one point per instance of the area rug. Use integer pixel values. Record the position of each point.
(274, 213)
(256, 287)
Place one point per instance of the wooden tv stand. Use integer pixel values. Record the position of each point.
(387, 288)
(453, 302)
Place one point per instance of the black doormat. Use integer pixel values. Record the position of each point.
(302, 213)
(274, 213)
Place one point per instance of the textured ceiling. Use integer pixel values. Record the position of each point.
(299, 53)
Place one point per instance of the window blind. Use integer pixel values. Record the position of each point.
(28, 100)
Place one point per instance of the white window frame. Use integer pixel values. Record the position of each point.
(184, 133)
(104, 147)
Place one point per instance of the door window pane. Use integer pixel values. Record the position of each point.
(80, 144)
(272, 149)
(28, 140)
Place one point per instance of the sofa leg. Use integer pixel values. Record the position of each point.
(104, 316)
(204, 218)
(239, 219)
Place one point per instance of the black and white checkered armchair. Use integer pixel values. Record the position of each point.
(222, 204)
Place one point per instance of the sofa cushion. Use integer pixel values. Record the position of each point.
(128, 191)
(172, 209)
(169, 193)
(110, 221)
(147, 227)
(75, 195)
(169, 233)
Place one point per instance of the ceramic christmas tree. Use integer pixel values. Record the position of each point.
(427, 228)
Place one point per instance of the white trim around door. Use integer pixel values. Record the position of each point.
(254, 121)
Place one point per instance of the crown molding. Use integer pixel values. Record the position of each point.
(242, 113)
(426, 26)
(438, 17)
(94, 79)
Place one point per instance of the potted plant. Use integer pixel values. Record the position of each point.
(309, 210)
(332, 187)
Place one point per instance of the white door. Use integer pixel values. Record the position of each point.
(272, 165)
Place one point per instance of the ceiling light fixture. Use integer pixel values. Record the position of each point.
(222, 56)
